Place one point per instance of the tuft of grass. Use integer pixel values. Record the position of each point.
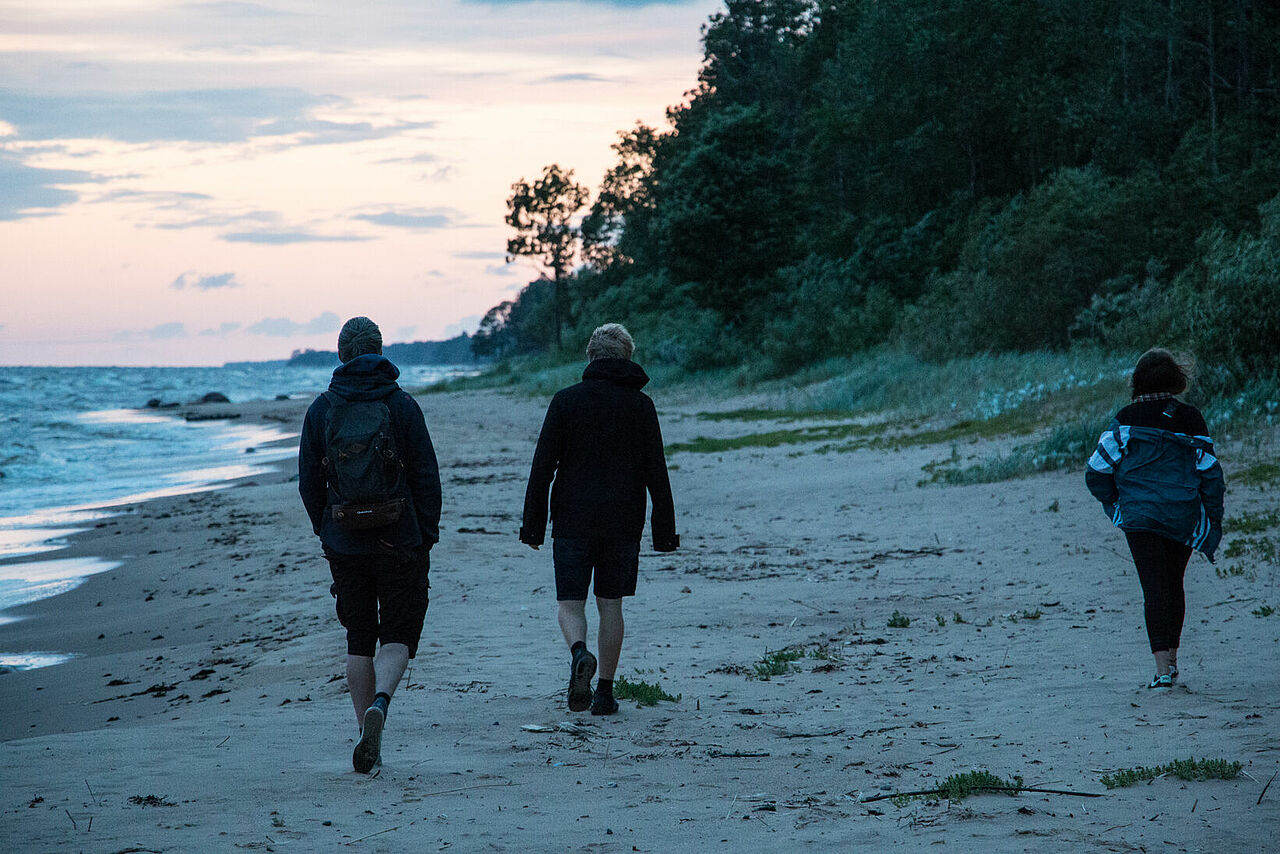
(1258, 474)
(1183, 769)
(1264, 611)
(776, 663)
(942, 621)
(1030, 615)
(1236, 570)
(1252, 523)
(644, 693)
(956, 618)
(1260, 548)
(899, 621)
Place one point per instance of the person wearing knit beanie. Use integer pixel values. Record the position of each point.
(359, 336)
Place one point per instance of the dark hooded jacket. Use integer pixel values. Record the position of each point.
(602, 445)
(373, 377)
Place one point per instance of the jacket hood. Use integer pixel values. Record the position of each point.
(367, 377)
(623, 372)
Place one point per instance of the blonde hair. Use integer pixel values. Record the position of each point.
(611, 341)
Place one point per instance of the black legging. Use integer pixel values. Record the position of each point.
(1161, 563)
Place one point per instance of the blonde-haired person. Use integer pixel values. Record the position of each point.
(1159, 481)
(602, 446)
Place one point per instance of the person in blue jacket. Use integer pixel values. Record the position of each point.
(379, 572)
(1158, 480)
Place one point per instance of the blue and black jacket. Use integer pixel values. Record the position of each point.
(1155, 470)
(373, 377)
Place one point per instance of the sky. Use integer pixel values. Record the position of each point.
(194, 183)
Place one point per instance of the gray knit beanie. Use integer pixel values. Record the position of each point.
(359, 336)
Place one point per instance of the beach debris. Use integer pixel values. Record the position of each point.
(564, 726)
(737, 754)
(214, 397)
(151, 801)
(210, 416)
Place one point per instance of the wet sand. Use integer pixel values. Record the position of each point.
(207, 708)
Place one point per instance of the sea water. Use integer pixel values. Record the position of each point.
(75, 442)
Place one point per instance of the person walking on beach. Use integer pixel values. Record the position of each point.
(602, 444)
(368, 477)
(1158, 480)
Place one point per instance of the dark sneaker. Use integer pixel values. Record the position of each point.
(603, 704)
(1165, 681)
(581, 670)
(368, 751)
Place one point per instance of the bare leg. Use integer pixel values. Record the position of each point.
(572, 614)
(389, 667)
(1162, 662)
(1173, 658)
(361, 681)
(610, 638)
(368, 676)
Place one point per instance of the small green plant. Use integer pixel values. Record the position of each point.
(956, 618)
(1235, 570)
(1264, 611)
(1183, 769)
(1260, 548)
(899, 620)
(776, 663)
(824, 652)
(1258, 474)
(1252, 523)
(1030, 615)
(942, 621)
(644, 693)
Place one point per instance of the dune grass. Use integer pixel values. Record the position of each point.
(1183, 769)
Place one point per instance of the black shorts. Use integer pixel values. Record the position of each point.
(381, 597)
(616, 564)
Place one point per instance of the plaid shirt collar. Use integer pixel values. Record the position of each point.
(1160, 395)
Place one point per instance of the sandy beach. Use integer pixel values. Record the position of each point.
(206, 710)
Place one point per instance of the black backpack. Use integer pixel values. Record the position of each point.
(362, 464)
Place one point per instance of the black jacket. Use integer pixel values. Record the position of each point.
(373, 377)
(602, 445)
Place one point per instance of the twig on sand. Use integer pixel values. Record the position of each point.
(73, 821)
(736, 754)
(1013, 789)
(807, 605)
(371, 835)
(91, 794)
(1268, 786)
(783, 734)
(468, 788)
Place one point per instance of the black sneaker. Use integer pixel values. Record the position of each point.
(368, 752)
(581, 670)
(603, 704)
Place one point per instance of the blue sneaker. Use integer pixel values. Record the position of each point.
(1165, 681)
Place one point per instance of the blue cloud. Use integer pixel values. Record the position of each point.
(196, 115)
(579, 77)
(25, 190)
(223, 329)
(205, 283)
(167, 330)
(284, 238)
(283, 326)
(409, 219)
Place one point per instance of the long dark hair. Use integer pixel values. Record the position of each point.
(1159, 371)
